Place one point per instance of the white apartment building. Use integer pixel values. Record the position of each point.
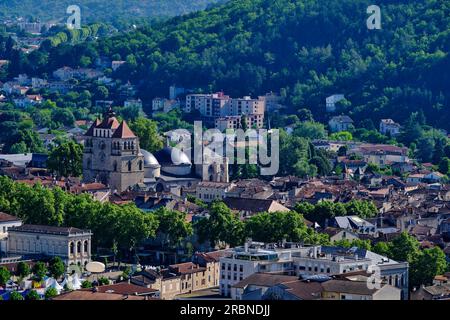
(298, 260)
(250, 259)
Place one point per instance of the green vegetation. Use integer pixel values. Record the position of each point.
(112, 11)
(326, 210)
(225, 227)
(66, 159)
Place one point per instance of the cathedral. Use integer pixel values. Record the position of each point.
(112, 155)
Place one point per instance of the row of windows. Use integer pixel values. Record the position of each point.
(234, 266)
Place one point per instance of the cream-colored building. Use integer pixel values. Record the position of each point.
(72, 245)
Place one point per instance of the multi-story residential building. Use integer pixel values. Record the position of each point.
(193, 277)
(332, 100)
(211, 261)
(335, 260)
(235, 122)
(382, 155)
(72, 245)
(226, 112)
(250, 259)
(209, 191)
(167, 283)
(340, 123)
(389, 127)
(164, 105)
(272, 101)
(298, 260)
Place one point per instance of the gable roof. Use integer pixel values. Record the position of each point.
(254, 205)
(123, 131)
(264, 280)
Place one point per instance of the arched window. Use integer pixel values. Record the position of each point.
(140, 165)
(79, 247)
(72, 247)
(86, 244)
(129, 165)
(115, 166)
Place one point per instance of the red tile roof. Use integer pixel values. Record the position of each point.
(4, 217)
(123, 131)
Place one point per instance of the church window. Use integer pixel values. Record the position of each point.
(72, 247)
(129, 165)
(78, 247)
(140, 165)
(115, 165)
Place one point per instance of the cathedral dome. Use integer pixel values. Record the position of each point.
(173, 161)
(149, 159)
(172, 156)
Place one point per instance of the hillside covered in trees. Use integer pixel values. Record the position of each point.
(100, 10)
(306, 49)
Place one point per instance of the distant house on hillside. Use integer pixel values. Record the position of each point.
(340, 123)
(389, 127)
(332, 100)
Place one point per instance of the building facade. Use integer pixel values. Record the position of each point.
(72, 245)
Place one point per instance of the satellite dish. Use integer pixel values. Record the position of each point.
(95, 267)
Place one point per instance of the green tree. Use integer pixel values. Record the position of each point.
(444, 166)
(173, 226)
(427, 265)
(50, 293)
(15, 296)
(23, 269)
(5, 275)
(147, 131)
(405, 248)
(222, 225)
(57, 267)
(66, 159)
(86, 284)
(40, 270)
(32, 295)
(276, 226)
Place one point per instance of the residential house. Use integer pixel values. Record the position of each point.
(249, 207)
(332, 100)
(209, 191)
(389, 127)
(340, 123)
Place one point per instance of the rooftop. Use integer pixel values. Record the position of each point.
(65, 231)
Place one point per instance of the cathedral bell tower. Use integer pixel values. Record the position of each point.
(112, 155)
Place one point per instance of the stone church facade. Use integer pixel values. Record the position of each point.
(112, 155)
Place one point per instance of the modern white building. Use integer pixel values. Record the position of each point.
(298, 260)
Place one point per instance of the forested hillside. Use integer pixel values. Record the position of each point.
(306, 49)
(100, 10)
